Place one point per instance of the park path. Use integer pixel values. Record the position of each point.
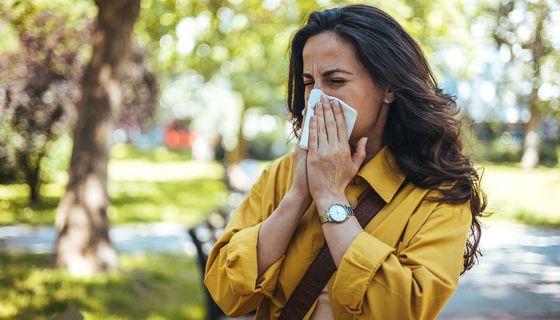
(517, 278)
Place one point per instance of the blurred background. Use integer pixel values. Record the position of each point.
(130, 129)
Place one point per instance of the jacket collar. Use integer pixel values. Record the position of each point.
(382, 174)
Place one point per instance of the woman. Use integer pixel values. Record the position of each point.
(405, 146)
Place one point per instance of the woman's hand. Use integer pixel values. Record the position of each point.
(330, 164)
(300, 185)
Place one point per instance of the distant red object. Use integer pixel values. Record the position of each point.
(178, 136)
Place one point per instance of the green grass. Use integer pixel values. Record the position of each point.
(149, 286)
(144, 187)
(530, 197)
(157, 155)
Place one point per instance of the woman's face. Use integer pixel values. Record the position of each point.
(330, 64)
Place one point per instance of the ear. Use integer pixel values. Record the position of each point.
(389, 94)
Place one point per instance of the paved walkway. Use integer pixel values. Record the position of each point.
(150, 237)
(517, 278)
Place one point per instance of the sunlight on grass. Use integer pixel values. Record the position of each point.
(14, 208)
(184, 201)
(150, 286)
(531, 197)
(142, 170)
(141, 190)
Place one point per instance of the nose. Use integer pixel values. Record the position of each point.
(324, 89)
(318, 85)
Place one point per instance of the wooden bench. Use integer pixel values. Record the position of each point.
(204, 236)
(238, 179)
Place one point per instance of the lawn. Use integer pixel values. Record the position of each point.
(149, 286)
(144, 187)
(530, 197)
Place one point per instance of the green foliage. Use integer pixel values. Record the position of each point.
(549, 154)
(268, 146)
(55, 162)
(523, 31)
(38, 84)
(169, 286)
(246, 43)
(20, 16)
(501, 143)
(497, 151)
(47, 48)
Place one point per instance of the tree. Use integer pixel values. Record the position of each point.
(246, 42)
(243, 42)
(526, 32)
(83, 245)
(140, 90)
(39, 85)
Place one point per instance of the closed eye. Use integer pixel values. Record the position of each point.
(338, 81)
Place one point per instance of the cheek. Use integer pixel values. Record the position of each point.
(367, 115)
(364, 123)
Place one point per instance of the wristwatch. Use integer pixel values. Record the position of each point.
(336, 213)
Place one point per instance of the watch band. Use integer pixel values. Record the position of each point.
(325, 217)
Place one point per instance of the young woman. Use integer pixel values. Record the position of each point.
(405, 149)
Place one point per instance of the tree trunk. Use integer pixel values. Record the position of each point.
(30, 164)
(32, 179)
(240, 151)
(83, 245)
(530, 157)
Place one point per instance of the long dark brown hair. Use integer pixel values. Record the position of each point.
(422, 130)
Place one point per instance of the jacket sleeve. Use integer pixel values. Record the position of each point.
(231, 271)
(374, 281)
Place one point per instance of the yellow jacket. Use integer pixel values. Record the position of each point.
(404, 265)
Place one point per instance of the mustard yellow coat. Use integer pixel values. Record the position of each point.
(404, 265)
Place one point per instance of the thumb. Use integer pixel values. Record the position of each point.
(300, 153)
(360, 154)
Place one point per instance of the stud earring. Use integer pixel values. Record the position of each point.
(387, 100)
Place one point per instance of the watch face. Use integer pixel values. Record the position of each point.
(338, 213)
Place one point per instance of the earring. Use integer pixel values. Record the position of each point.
(387, 100)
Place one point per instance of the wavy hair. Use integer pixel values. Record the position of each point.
(422, 130)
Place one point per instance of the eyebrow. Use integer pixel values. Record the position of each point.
(327, 73)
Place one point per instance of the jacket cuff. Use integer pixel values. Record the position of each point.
(241, 265)
(357, 267)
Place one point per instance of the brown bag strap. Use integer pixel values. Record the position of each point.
(321, 269)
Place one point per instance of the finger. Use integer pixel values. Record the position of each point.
(360, 154)
(340, 122)
(330, 122)
(313, 143)
(298, 150)
(321, 130)
(300, 155)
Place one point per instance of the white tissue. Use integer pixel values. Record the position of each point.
(350, 116)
